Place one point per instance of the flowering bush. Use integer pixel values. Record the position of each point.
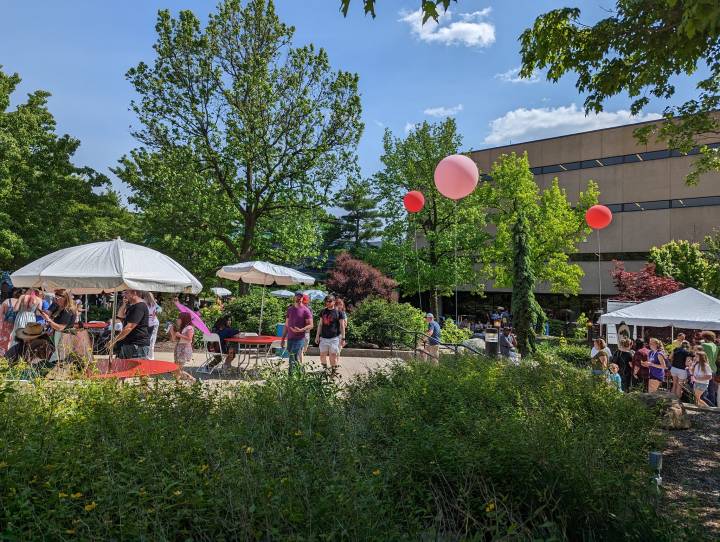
(642, 285)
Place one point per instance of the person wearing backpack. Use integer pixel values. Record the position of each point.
(8, 311)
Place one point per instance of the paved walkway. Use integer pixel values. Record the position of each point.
(349, 367)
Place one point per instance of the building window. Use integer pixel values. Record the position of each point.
(552, 169)
(631, 158)
(655, 155)
(696, 202)
(646, 205)
(612, 160)
(615, 207)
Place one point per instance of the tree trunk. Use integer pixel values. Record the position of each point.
(437, 304)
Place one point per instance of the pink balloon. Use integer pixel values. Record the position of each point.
(456, 176)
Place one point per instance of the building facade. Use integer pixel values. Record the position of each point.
(644, 186)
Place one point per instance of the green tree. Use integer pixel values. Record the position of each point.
(47, 202)
(442, 245)
(712, 243)
(429, 7)
(527, 314)
(684, 261)
(557, 225)
(241, 136)
(362, 220)
(639, 49)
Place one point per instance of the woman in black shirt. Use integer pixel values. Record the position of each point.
(678, 370)
(623, 358)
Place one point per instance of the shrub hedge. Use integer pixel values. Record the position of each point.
(472, 449)
(382, 322)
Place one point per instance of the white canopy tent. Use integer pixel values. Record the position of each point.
(221, 292)
(688, 308)
(107, 267)
(265, 274)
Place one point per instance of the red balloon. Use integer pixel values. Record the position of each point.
(414, 201)
(598, 217)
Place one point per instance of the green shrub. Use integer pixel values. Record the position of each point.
(98, 313)
(471, 450)
(574, 354)
(245, 311)
(379, 322)
(451, 334)
(581, 329)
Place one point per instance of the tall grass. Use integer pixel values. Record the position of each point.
(472, 449)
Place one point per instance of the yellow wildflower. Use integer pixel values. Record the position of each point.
(489, 507)
(3, 464)
(376, 472)
(62, 495)
(69, 531)
(90, 507)
(298, 433)
(76, 495)
(203, 468)
(249, 450)
(177, 493)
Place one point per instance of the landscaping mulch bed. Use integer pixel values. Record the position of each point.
(691, 469)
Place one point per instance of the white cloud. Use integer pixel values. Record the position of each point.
(513, 76)
(409, 127)
(379, 124)
(443, 111)
(470, 31)
(527, 124)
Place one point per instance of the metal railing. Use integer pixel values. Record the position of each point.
(416, 343)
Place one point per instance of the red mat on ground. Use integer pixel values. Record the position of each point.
(129, 368)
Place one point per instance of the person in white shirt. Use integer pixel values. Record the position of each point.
(153, 321)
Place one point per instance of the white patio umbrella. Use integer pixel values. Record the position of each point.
(107, 267)
(315, 295)
(221, 292)
(282, 293)
(265, 274)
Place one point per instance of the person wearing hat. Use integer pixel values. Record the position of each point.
(431, 351)
(32, 343)
(298, 321)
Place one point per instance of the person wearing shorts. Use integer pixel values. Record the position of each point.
(657, 363)
(330, 335)
(702, 375)
(678, 369)
(297, 321)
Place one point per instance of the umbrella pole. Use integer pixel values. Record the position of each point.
(262, 307)
(112, 330)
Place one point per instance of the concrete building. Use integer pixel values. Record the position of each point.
(644, 186)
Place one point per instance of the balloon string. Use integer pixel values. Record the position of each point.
(417, 264)
(455, 259)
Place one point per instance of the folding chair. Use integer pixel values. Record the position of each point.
(276, 354)
(209, 366)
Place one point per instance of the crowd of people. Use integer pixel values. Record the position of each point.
(686, 366)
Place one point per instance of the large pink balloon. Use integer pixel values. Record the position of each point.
(456, 176)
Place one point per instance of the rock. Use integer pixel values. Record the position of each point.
(369, 346)
(669, 407)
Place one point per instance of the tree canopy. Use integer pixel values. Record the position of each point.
(642, 285)
(687, 263)
(639, 49)
(557, 225)
(46, 201)
(428, 250)
(430, 8)
(242, 136)
(361, 221)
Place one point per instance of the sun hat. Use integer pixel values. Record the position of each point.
(31, 331)
(429, 315)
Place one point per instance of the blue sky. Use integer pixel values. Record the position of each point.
(80, 51)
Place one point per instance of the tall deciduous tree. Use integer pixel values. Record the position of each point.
(639, 49)
(430, 8)
(527, 314)
(242, 135)
(362, 220)
(442, 245)
(683, 261)
(46, 201)
(556, 223)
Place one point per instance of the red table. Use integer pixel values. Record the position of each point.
(254, 343)
(94, 325)
(130, 368)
